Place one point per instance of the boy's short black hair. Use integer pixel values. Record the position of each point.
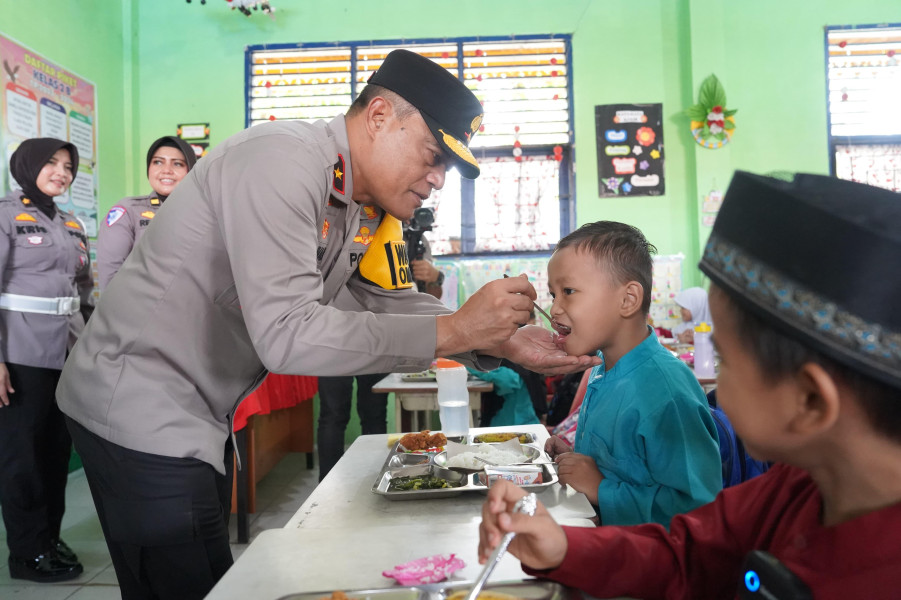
(779, 356)
(623, 248)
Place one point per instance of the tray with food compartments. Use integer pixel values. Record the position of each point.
(531, 589)
(419, 473)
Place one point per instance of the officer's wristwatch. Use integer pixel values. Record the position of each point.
(438, 282)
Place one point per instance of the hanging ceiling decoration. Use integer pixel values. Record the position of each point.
(246, 7)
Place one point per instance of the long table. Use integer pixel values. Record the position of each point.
(343, 536)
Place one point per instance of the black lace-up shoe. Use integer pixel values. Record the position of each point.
(63, 551)
(44, 568)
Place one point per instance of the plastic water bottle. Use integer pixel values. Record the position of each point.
(453, 398)
(704, 365)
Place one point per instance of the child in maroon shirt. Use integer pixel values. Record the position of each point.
(804, 294)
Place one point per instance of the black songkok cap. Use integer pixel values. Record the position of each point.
(817, 258)
(449, 108)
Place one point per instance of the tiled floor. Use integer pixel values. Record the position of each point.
(279, 495)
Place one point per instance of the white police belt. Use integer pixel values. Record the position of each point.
(37, 304)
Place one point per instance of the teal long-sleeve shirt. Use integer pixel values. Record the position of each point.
(647, 425)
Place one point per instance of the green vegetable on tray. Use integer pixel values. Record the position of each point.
(423, 482)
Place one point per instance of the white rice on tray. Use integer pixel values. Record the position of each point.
(467, 460)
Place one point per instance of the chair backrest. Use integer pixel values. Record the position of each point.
(738, 465)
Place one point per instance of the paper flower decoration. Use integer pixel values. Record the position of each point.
(712, 125)
(430, 569)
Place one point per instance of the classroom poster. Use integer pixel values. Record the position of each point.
(630, 149)
(41, 98)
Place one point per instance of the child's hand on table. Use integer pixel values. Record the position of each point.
(555, 446)
(580, 472)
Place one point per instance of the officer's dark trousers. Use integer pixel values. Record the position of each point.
(165, 519)
(34, 461)
(335, 394)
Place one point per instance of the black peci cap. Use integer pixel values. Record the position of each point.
(816, 257)
(449, 108)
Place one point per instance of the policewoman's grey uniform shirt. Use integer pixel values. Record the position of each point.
(120, 231)
(235, 277)
(40, 257)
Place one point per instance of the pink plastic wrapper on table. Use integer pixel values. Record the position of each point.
(430, 569)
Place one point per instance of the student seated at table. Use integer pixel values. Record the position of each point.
(646, 446)
(694, 310)
(810, 377)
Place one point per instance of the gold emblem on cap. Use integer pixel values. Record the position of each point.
(457, 147)
(476, 123)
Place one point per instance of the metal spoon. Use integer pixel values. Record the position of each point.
(526, 505)
(538, 308)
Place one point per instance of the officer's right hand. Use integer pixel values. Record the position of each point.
(6, 387)
(488, 318)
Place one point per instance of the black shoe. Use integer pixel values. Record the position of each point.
(44, 568)
(63, 551)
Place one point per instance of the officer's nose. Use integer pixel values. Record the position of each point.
(436, 176)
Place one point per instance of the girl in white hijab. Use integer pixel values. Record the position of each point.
(695, 310)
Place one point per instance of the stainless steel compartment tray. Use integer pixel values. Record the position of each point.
(532, 589)
(399, 464)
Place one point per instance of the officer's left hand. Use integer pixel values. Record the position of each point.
(535, 348)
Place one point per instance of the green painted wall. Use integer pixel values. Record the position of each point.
(86, 36)
(158, 63)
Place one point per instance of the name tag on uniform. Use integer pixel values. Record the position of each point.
(385, 263)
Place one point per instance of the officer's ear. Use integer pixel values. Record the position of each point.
(377, 112)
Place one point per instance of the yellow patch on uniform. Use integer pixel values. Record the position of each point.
(370, 212)
(25, 217)
(154, 202)
(148, 214)
(325, 228)
(26, 201)
(73, 224)
(385, 263)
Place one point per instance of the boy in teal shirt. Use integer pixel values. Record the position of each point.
(646, 445)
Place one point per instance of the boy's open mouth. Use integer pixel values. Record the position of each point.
(560, 328)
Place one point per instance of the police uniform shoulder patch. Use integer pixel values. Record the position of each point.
(338, 179)
(26, 217)
(385, 263)
(114, 214)
(154, 202)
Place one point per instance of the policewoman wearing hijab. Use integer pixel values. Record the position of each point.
(168, 160)
(45, 272)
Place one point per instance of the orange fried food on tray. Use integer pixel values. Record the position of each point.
(437, 440)
(422, 440)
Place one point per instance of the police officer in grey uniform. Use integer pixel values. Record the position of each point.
(45, 272)
(168, 160)
(236, 278)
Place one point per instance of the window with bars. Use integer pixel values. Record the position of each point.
(522, 200)
(863, 65)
